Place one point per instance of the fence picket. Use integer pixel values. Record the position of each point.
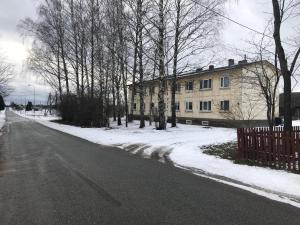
(273, 148)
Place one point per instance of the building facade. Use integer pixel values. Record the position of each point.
(295, 105)
(222, 96)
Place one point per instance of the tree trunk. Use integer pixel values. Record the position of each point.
(161, 54)
(141, 69)
(92, 49)
(133, 91)
(283, 66)
(58, 74)
(175, 61)
(76, 49)
(113, 86)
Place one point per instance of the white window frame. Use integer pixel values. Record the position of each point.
(222, 82)
(208, 106)
(187, 106)
(209, 84)
(190, 81)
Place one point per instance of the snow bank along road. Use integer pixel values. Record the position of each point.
(48, 177)
(183, 146)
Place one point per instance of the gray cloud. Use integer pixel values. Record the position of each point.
(251, 13)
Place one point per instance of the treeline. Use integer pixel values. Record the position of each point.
(90, 50)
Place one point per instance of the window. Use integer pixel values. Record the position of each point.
(177, 106)
(205, 84)
(178, 87)
(224, 82)
(224, 105)
(205, 106)
(134, 106)
(151, 90)
(189, 106)
(189, 86)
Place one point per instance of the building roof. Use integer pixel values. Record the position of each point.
(198, 72)
(240, 65)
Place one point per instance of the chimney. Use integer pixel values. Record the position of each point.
(211, 67)
(230, 62)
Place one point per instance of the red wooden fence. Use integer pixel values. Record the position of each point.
(277, 149)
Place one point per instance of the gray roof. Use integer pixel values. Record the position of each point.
(240, 65)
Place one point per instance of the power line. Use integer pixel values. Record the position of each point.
(242, 25)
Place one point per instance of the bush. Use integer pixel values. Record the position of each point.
(2, 104)
(81, 111)
(68, 108)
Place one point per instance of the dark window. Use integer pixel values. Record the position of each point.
(224, 106)
(177, 106)
(189, 85)
(205, 106)
(205, 84)
(224, 82)
(189, 106)
(134, 106)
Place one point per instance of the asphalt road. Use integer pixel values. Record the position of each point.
(47, 177)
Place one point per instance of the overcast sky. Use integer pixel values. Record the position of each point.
(252, 13)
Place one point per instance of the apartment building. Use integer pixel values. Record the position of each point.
(212, 97)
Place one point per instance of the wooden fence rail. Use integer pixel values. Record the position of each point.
(276, 148)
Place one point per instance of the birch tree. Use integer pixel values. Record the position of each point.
(195, 31)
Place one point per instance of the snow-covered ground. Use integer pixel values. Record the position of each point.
(38, 115)
(2, 118)
(183, 146)
(296, 123)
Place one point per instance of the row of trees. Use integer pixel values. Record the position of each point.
(89, 51)
(6, 74)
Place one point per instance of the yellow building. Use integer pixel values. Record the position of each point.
(226, 96)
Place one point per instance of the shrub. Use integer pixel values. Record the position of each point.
(29, 106)
(2, 104)
(68, 108)
(82, 111)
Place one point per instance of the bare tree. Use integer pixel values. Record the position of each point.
(282, 9)
(236, 111)
(195, 30)
(6, 74)
(161, 27)
(263, 76)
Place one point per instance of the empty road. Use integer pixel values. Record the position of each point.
(48, 177)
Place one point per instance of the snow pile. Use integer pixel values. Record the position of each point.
(38, 115)
(2, 118)
(183, 146)
(296, 123)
